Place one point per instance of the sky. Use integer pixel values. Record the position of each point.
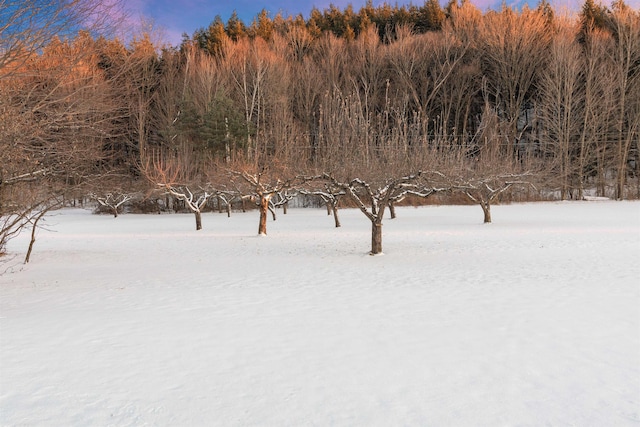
(172, 18)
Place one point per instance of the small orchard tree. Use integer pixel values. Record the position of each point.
(193, 200)
(491, 169)
(179, 174)
(112, 201)
(224, 199)
(330, 195)
(376, 159)
(373, 200)
(281, 200)
(486, 190)
(264, 185)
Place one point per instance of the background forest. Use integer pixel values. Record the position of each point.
(416, 99)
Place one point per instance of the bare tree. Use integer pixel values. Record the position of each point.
(55, 107)
(113, 201)
(247, 65)
(562, 99)
(487, 171)
(140, 77)
(423, 64)
(626, 56)
(598, 106)
(28, 26)
(12, 224)
(36, 215)
(485, 190)
(330, 194)
(372, 200)
(265, 184)
(514, 49)
(224, 199)
(179, 173)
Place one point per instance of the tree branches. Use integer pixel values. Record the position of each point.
(372, 200)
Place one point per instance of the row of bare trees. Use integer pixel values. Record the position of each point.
(489, 103)
(374, 184)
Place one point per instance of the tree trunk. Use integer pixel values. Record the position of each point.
(601, 179)
(328, 203)
(392, 210)
(486, 209)
(376, 238)
(115, 212)
(198, 220)
(33, 234)
(31, 242)
(264, 210)
(620, 184)
(335, 215)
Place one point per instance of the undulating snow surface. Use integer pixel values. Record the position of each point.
(533, 320)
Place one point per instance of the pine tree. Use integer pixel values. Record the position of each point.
(212, 39)
(235, 27)
(262, 26)
(593, 16)
(432, 16)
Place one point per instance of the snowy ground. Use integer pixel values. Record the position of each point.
(533, 320)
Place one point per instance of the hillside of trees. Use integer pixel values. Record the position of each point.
(342, 102)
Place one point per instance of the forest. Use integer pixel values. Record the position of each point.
(367, 108)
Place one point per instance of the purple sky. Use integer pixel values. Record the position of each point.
(174, 17)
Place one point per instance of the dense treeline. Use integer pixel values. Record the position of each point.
(369, 94)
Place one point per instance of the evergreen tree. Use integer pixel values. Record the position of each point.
(262, 26)
(430, 17)
(315, 23)
(592, 16)
(213, 38)
(235, 27)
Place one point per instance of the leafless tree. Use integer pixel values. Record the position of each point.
(13, 223)
(179, 173)
(140, 78)
(372, 200)
(28, 26)
(330, 194)
(248, 66)
(36, 215)
(329, 54)
(626, 56)
(599, 102)
(54, 103)
(113, 200)
(265, 184)
(561, 101)
(224, 199)
(514, 49)
(487, 170)
(485, 190)
(424, 64)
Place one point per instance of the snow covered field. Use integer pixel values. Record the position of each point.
(533, 320)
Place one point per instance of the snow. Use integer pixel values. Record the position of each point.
(142, 321)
